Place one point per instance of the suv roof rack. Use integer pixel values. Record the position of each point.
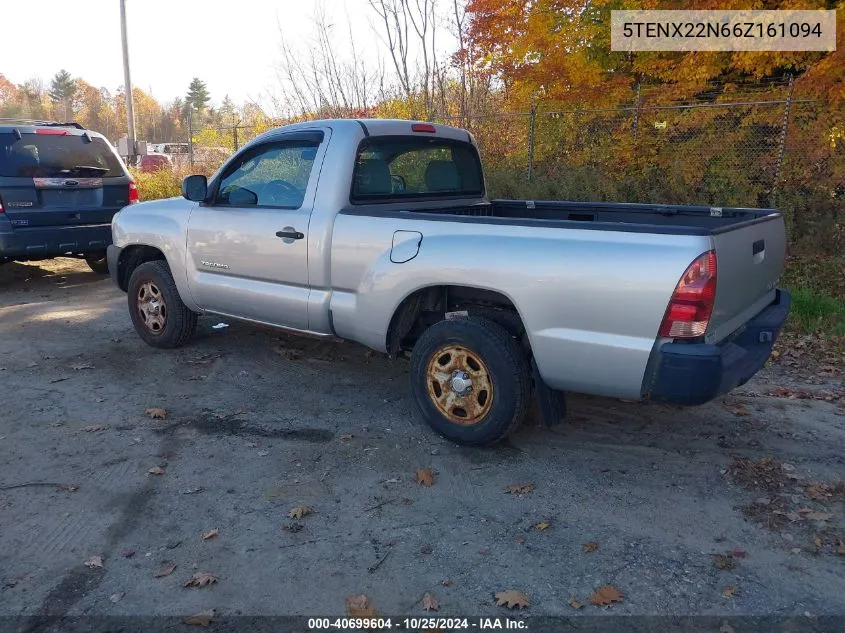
(23, 121)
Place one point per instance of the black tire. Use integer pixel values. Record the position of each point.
(98, 263)
(502, 361)
(178, 323)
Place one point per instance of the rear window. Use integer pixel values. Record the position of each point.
(395, 168)
(54, 156)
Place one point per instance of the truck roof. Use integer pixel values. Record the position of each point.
(374, 127)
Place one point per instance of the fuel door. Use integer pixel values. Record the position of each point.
(406, 245)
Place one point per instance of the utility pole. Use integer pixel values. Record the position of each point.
(127, 83)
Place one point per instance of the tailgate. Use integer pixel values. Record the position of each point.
(749, 260)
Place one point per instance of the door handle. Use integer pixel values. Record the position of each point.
(290, 235)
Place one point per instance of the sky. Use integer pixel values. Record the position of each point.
(231, 45)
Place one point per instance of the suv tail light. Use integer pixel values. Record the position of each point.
(692, 302)
(1, 205)
(133, 192)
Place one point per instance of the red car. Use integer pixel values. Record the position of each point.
(154, 162)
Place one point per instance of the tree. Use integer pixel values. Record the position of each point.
(62, 91)
(197, 96)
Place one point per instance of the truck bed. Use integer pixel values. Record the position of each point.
(614, 216)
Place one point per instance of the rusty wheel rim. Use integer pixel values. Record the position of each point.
(459, 384)
(152, 307)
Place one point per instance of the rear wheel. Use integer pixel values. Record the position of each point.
(160, 317)
(98, 263)
(470, 380)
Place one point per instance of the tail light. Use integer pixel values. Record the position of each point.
(1, 205)
(692, 302)
(51, 131)
(133, 193)
(423, 127)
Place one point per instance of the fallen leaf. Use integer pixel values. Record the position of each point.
(574, 603)
(512, 599)
(406, 501)
(520, 489)
(817, 492)
(447, 583)
(818, 516)
(252, 444)
(193, 490)
(520, 540)
(209, 534)
(729, 591)
(203, 618)
(345, 436)
(425, 477)
(201, 579)
(95, 562)
(358, 606)
(740, 411)
(117, 597)
(430, 603)
(128, 553)
(840, 550)
(93, 428)
(165, 571)
(723, 561)
(738, 553)
(82, 366)
(156, 413)
(590, 547)
(818, 542)
(299, 512)
(156, 470)
(426, 549)
(241, 411)
(543, 525)
(263, 453)
(69, 488)
(726, 628)
(606, 595)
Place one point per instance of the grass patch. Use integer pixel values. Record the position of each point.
(817, 285)
(816, 312)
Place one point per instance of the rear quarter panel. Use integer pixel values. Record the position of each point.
(591, 300)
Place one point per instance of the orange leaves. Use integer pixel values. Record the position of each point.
(605, 596)
(425, 477)
(512, 599)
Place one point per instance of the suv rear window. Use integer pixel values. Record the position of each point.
(55, 156)
(395, 168)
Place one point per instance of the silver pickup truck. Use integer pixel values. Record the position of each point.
(379, 231)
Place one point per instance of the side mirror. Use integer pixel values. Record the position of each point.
(195, 188)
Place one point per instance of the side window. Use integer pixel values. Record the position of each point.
(272, 175)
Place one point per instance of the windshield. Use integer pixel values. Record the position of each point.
(54, 156)
(395, 168)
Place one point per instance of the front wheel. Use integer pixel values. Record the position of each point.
(160, 317)
(470, 380)
(98, 263)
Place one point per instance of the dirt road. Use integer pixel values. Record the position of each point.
(259, 423)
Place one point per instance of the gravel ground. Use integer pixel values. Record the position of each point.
(259, 423)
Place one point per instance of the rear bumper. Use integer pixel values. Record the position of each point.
(690, 374)
(113, 257)
(38, 242)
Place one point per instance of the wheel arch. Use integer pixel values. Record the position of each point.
(133, 256)
(425, 306)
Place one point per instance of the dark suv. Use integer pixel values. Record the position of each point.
(60, 185)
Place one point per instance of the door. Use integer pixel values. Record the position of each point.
(248, 245)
